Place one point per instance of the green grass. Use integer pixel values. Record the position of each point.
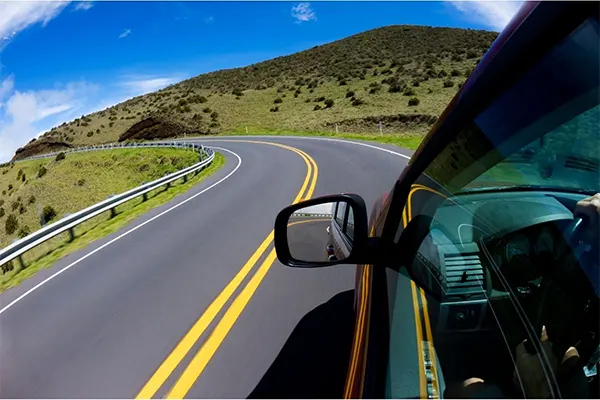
(52, 250)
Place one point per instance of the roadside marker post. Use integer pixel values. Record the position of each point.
(380, 129)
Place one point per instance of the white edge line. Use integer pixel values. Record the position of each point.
(15, 301)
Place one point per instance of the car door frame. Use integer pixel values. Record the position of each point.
(534, 30)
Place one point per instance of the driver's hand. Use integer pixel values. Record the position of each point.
(529, 370)
(589, 210)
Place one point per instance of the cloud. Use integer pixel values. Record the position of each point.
(494, 14)
(16, 16)
(125, 33)
(138, 85)
(303, 13)
(26, 114)
(83, 5)
(6, 88)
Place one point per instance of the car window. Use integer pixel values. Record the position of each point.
(340, 214)
(350, 225)
(500, 198)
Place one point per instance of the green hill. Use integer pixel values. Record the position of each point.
(403, 76)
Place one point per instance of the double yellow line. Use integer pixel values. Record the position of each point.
(425, 348)
(209, 348)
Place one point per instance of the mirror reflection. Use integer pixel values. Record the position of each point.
(321, 232)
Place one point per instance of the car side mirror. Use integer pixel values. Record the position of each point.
(323, 231)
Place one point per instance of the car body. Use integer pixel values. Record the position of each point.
(495, 181)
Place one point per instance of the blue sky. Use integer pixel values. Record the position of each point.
(59, 60)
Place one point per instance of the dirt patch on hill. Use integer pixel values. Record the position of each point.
(390, 123)
(156, 128)
(42, 146)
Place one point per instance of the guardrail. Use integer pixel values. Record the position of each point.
(18, 248)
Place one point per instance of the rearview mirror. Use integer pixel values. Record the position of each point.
(323, 231)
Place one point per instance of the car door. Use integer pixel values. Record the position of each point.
(482, 143)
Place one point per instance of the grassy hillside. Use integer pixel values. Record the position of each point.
(401, 75)
(76, 182)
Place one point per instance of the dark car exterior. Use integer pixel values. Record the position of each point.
(533, 33)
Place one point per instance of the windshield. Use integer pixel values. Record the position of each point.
(545, 128)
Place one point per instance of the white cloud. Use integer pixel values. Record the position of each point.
(495, 14)
(303, 13)
(6, 88)
(138, 85)
(25, 114)
(83, 5)
(16, 16)
(125, 33)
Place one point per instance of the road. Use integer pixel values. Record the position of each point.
(193, 283)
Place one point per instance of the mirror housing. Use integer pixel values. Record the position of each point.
(359, 248)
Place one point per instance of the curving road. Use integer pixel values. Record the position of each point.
(189, 300)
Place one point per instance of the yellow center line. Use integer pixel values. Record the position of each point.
(420, 355)
(183, 347)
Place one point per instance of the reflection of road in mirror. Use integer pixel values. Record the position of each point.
(308, 238)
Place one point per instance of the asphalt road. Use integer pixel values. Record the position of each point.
(103, 327)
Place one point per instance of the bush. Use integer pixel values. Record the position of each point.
(48, 214)
(442, 74)
(472, 54)
(11, 224)
(19, 174)
(15, 205)
(214, 115)
(357, 102)
(317, 108)
(206, 110)
(81, 182)
(409, 92)
(343, 82)
(455, 72)
(416, 82)
(22, 209)
(448, 83)
(23, 178)
(31, 199)
(307, 101)
(413, 101)
(213, 124)
(329, 103)
(349, 93)
(24, 231)
(2, 212)
(274, 109)
(456, 57)
(319, 99)
(395, 87)
(91, 133)
(1, 203)
(10, 187)
(60, 156)
(278, 101)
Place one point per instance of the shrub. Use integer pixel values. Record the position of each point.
(23, 178)
(278, 101)
(448, 83)
(48, 214)
(24, 231)
(329, 103)
(31, 199)
(442, 74)
(413, 101)
(182, 102)
(237, 92)
(456, 57)
(349, 93)
(1, 203)
(416, 82)
(409, 92)
(214, 115)
(395, 87)
(274, 109)
(81, 182)
(455, 72)
(10, 187)
(91, 133)
(317, 108)
(307, 101)
(15, 205)
(19, 174)
(213, 124)
(472, 54)
(375, 89)
(319, 99)
(343, 82)
(60, 156)
(22, 208)
(2, 212)
(206, 110)
(357, 102)
(11, 224)
(9, 266)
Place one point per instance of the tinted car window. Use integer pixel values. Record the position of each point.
(340, 214)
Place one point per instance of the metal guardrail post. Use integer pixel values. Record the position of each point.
(71, 234)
